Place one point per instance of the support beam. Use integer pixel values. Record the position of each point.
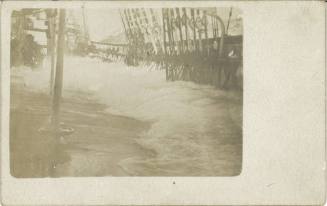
(52, 49)
(180, 30)
(59, 70)
(109, 44)
(229, 18)
(185, 20)
(35, 29)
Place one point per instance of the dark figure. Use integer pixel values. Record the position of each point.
(32, 55)
(14, 56)
(215, 64)
(232, 64)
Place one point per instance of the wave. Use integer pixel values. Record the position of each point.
(196, 129)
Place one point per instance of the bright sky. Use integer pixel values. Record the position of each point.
(105, 22)
(102, 23)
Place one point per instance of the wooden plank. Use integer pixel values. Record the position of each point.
(109, 44)
(35, 29)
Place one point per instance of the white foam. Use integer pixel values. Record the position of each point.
(185, 115)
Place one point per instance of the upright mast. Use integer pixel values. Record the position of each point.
(59, 70)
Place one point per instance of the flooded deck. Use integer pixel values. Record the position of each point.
(96, 146)
(148, 128)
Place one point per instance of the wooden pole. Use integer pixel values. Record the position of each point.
(122, 19)
(170, 44)
(20, 37)
(164, 30)
(206, 32)
(229, 18)
(164, 20)
(59, 70)
(199, 31)
(155, 23)
(86, 31)
(185, 19)
(173, 30)
(180, 31)
(222, 37)
(213, 26)
(52, 49)
(148, 31)
(129, 30)
(194, 30)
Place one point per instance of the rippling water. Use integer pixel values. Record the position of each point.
(195, 129)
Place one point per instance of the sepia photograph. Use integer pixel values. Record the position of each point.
(163, 102)
(126, 92)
